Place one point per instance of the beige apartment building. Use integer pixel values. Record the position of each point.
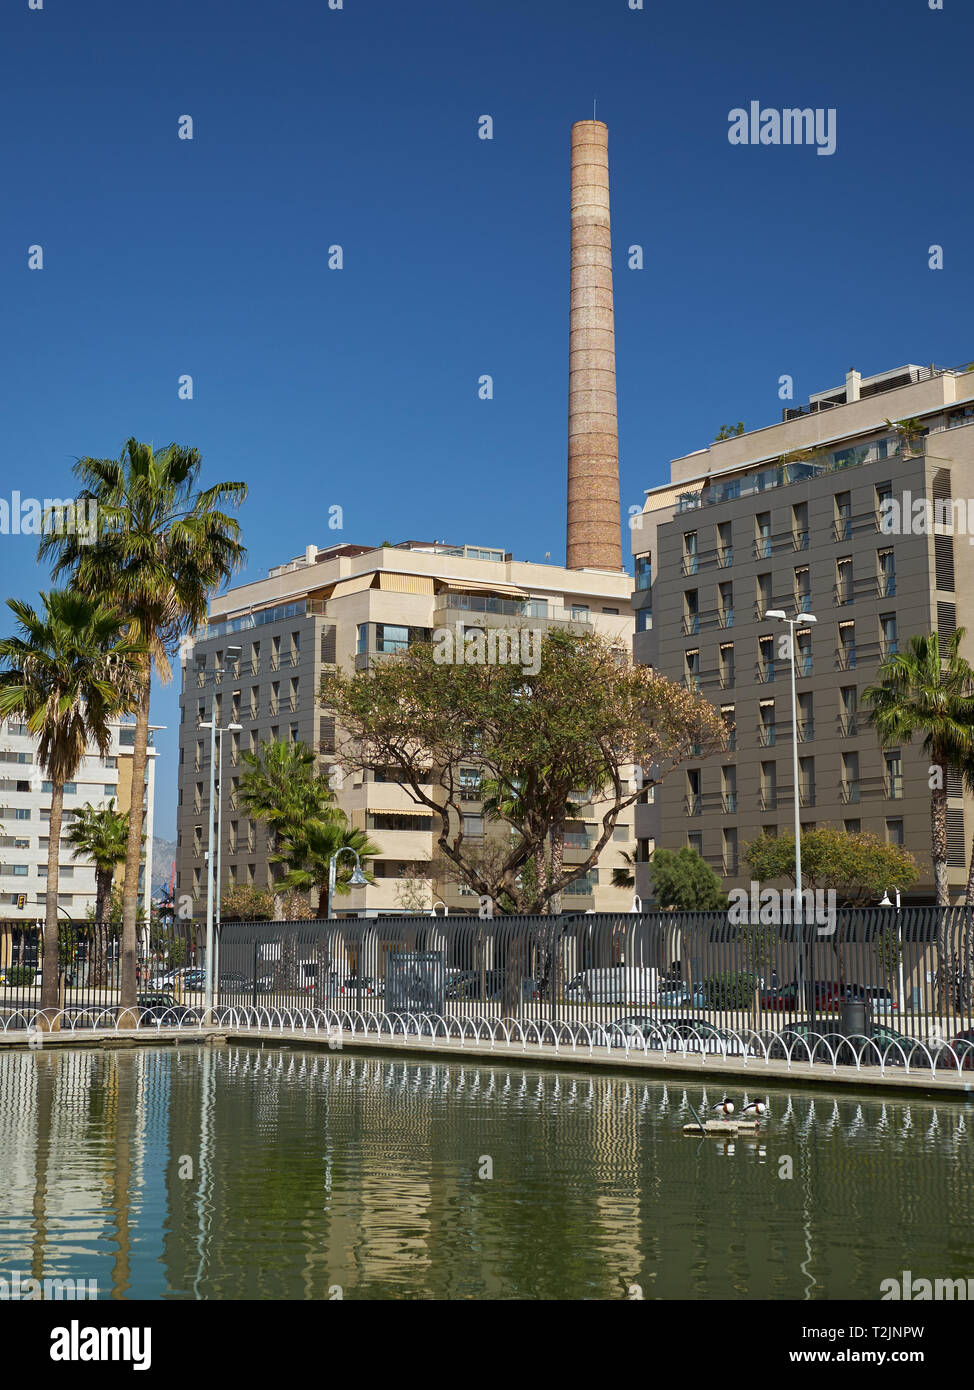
(790, 517)
(352, 605)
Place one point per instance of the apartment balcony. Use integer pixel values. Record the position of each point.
(489, 611)
(768, 800)
(725, 556)
(729, 803)
(693, 805)
(850, 793)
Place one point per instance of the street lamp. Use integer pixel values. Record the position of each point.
(358, 879)
(232, 656)
(637, 903)
(779, 615)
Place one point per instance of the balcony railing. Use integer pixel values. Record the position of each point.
(768, 800)
(889, 647)
(842, 528)
(725, 556)
(886, 586)
(806, 730)
(730, 865)
(766, 735)
(806, 795)
(692, 805)
(691, 564)
(842, 594)
(847, 659)
(848, 725)
(799, 540)
(730, 803)
(727, 679)
(894, 788)
(766, 672)
(726, 617)
(850, 793)
(731, 744)
(692, 683)
(691, 625)
(803, 664)
(762, 548)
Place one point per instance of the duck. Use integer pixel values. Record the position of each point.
(723, 1107)
(755, 1109)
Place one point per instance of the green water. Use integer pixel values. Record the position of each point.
(239, 1173)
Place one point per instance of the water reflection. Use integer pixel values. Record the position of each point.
(238, 1173)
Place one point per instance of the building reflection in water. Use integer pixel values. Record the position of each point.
(241, 1173)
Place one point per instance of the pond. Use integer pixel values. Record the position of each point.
(242, 1173)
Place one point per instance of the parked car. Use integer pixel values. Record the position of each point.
(614, 984)
(880, 1001)
(161, 1008)
(357, 985)
(682, 997)
(963, 1049)
(790, 999)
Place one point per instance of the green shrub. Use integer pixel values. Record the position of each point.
(19, 974)
(732, 989)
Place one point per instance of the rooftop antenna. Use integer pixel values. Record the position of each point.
(594, 101)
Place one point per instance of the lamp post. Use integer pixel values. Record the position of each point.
(885, 902)
(232, 656)
(780, 616)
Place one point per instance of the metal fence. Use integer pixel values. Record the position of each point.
(170, 959)
(892, 973)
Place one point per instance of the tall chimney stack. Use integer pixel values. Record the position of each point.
(594, 529)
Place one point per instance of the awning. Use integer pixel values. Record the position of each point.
(475, 586)
(406, 583)
(356, 585)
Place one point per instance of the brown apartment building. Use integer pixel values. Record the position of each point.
(790, 517)
(354, 605)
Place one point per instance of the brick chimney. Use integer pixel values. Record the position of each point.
(594, 538)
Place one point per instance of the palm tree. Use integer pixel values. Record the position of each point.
(162, 545)
(70, 672)
(625, 877)
(282, 788)
(100, 834)
(310, 848)
(930, 692)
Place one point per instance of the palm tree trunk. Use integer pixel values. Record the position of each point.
(133, 856)
(557, 863)
(49, 967)
(103, 892)
(938, 829)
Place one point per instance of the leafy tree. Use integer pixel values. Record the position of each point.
(928, 691)
(683, 879)
(100, 834)
(162, 545)
(246, 903)
(858, 867)
(729, 431)
(586, 715)
(69, 672)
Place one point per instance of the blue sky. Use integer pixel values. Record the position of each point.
(359, 127)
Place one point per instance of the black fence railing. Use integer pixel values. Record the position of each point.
(170, 962)
(900, 973)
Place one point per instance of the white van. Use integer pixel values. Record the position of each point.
(615, 984)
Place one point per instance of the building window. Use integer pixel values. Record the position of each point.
(848, 710)
(691, 613)
(847, 646)
(886, 578)
(850, 779)
(690, 562)
(692, 671)
(728, 715)
(580, 612)
(762, 535)
(730, 850)
(842, 526)
(473, 827)
(644, 571)
(803, 589)
(803, 656)
(725, 604)
(644, 619)
(806, 781)
(362, 639)
(799, 525)
(22, 813)
(693, 804)
(889, 642)
(769, 787)
(695, 842)
(894, 775)
(767, 730)
(843, 580)
(766, 659)
(725, 550)
(726, 665)
(852, 827)
(728, 785)
(894, 832)
(806, 718)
